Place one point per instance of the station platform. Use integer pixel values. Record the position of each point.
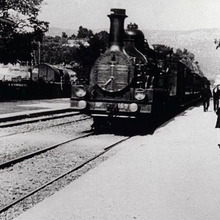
(13, 110)
(173, 174)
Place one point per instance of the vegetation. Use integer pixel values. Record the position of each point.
(80, 51)
(20, 29)
(180, 55)
(22, 38)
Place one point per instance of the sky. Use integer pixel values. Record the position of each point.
(148, 14)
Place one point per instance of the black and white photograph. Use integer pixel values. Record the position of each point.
(109, 110)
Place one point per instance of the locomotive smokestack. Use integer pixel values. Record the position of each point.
(117, 18)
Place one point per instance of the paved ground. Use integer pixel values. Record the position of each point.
(173, 174)
(30, 105)
(20, 109)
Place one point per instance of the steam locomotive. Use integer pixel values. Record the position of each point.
(132, 81)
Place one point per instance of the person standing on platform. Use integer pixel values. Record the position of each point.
(206, 95)
(216, 95)
(218, 118)
(217, 125)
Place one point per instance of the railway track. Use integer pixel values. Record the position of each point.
(35, 153)
(36, 119)
(56, 142)
(41, 119)
(26, 147)
(64, 174)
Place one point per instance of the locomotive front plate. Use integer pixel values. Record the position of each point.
(113, 72)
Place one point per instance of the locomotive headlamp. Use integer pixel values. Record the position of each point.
(82, 104)
(133, 107)
(80, 91)
(139, 94)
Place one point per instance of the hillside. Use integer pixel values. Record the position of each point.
(199, 42)
(53, 31)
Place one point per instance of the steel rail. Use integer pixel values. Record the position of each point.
(35, 153)
(106, 149)
(63, 123)
(36, 119)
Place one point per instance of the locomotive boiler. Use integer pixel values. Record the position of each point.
(129, 81)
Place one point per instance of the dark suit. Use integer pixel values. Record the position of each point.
(216, 95)
(218, 118)
(206, 95)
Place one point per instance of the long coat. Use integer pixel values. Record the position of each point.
(218, 119)
(206, 94)
(216, 93)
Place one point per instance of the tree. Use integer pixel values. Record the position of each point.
(102, 39)
(86, 56)
(23, 14)
(84, 33)
(57, 50)
(73, 36)
(185, 56)
(64, 35)
(19, 25)
(162, 50)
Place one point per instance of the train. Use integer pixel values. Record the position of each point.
(132, 81)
